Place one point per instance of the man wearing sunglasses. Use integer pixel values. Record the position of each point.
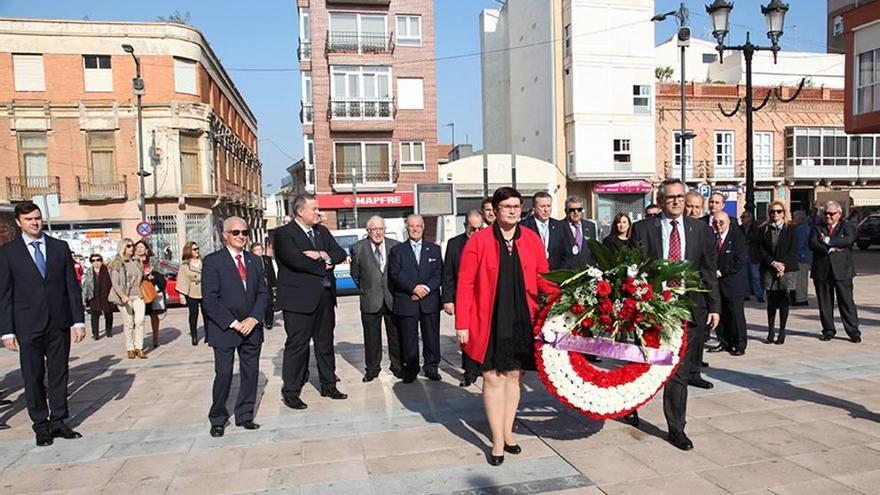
(578, 231)
(832, 272)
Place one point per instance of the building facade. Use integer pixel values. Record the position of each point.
(836, 31)
(861, 28)
(68, 132)
(369, 105)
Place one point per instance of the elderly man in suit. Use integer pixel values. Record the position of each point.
(473, 222)
(676, 237)
(550, 230)
(41, 311)
(369, 269)
(234, 299)
(832, 272)
(577, 230)
(733, 285)
(306, 253)
(416, 269)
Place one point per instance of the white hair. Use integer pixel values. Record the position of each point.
(230, 220)
(374, 220)
(833, 203)
(414, 216)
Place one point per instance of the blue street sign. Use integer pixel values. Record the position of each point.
(705, 190)
(144, 229)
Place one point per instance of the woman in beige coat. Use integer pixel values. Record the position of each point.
(126, 275)
(189, 284)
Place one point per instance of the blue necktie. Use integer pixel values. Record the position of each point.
(39, 259)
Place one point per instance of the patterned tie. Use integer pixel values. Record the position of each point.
(578, 235)
(39, 259)
(242, 272)
(674, 249)
(718, 243)
(311, 234)
(378, 254)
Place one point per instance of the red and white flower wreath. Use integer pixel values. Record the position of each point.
(597, 393)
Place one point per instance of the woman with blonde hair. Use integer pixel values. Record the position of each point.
(125, 276)
(189, 284)
(777, 245)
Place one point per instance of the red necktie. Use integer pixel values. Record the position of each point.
(242, 272)
(719, 244)
(831, 231)
(674, 242)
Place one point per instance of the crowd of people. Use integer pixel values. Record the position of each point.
(489, 280)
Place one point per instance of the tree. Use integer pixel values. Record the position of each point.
(176, 18)
(663, 74)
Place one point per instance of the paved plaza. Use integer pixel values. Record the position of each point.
(803, 418)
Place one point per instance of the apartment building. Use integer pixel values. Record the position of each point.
(68, 132)
(369, 105)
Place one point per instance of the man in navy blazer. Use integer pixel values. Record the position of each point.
(234, 299)
(40, 304)
(416, 271)
(733, 285)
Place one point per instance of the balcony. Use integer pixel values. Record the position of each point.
(306, 113)
(373, 114)
(359, 43)
(833, 169)
(25, 188)
(304, 50)
(91, 190)
(672, 169)
(376, 178)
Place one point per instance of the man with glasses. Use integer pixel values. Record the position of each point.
(832, 272)
(578, 231)
(369, 269)
(234, 299)
(732, 286)
(676, 237)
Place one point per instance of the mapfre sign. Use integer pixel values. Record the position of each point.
(396, 200)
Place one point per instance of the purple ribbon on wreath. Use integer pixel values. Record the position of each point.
(610, 349)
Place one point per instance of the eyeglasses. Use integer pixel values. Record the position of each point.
(195, 248)
(831, 213)
(572, 210)
(236, 232)
(777, 211)
(129, 246)
(510, 207)
(95, 260)
(678, 197)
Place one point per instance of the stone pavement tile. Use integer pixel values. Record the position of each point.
(831, 434)
(62, 452)
(810, 411)
(143, 469)
(733, 423)
(587, 490)
(866, 482)
(756, 475)
(141, 487)
(431, 437)
(701, 407)
(12, 451)
(246, 481)
(331, 449)
(744, 401)
(725, 449)
(140, 448)
(610, 465)
(859, 386)
(59, 477)
(233, 437)
(815, 487)
(420, 461)
(686, 484)
(666, 459)
(850, 460)
(272, 455)
(869, 425)
(606, 437)
(218, 461)
(780, 442)
(304, 474)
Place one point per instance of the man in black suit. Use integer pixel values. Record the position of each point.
(550, 230)
(674, 237)
(473, 222)
(41, 310)
(577, 230)
(234, 299)
(415, 269)
(269, 270)
(832, 272)
(487, 212)
(369, 269)
(716, 205)
(733, 285)
(306, 253)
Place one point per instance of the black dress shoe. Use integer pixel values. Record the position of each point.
(466, 382)
(737, 352)
(333, 393)
(633, 419)
(44, 439)
(369, 377)
(496, 460)
(5, 402)
(433, 376)
(294, 403)
(512, 449)
(217, 431)
(680, 441)
(4, 426)
(65, 432)
(704, 364)
(700, 383)
(855, 340)
(249, 425)
(397, 373)
(195, 341)
(409, 379)
(826, 337)
(717, 348)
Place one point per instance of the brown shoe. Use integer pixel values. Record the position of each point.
(131, 354)
(140, 354)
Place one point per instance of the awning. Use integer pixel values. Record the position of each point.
(865, 197)
(624, 187)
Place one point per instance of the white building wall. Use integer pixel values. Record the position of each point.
(495, 74)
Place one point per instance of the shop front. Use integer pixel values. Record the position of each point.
(341, 208)
(628, 197)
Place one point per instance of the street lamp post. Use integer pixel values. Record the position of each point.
(774, 14)
(137, 87)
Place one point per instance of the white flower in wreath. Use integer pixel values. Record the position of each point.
(595, 273)
(632, 271)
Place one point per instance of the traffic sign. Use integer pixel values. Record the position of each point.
(705, 190)
(144, 228)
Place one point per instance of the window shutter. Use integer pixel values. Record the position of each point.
(410, 93)
(29, 74)
(185, 76)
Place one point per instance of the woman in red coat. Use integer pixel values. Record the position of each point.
(497, 296)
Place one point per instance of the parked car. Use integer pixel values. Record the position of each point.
(869, 231)
(169, 269)
(346, 239)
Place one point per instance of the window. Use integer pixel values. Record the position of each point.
(622, 155)
(411, 94)
(837, 26)
(364, 162)
(98, 75)
(723, 150)
(762, 146)
(32, 154)
(571, 162)
(566, 39)
(357, 33)
(409, 30)
(102, 157)
(305, 35)
(677, 156)
(361, 92)
(307, 107)
(28, 72)
(831, 147)
(190, 171)
(185, 76)
(641, 99)
(412, 156)
(868, 84)
(309, 160)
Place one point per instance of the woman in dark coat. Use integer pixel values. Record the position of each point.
(621, 228)
(777, 246)
(96, 290)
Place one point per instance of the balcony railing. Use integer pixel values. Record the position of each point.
(91, 190)
(306, 113)
(364, 174)
(708, 170)
(673, 169)
(25, 188)
(355, 42)
(828, 168)
(304, 51)
(372, 108)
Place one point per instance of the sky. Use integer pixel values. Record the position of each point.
(252, 36)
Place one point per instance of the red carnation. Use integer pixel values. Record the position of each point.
(603, 288)
(577, 309)
(606, 306)
(588, 322)
(667, 295)
(649, 293)
(604, 319)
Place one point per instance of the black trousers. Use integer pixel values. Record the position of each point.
(194, 305)
(248, 372)
(733, 323)
(826, 290)
(44, 361)
(96, 321)
(372, 323)
(269, 317)
(675, 393)
(694, 353)
(301, 329)
(408, 326)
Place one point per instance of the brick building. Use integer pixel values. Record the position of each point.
(800, 147)
(369, 105)
(68, 132)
